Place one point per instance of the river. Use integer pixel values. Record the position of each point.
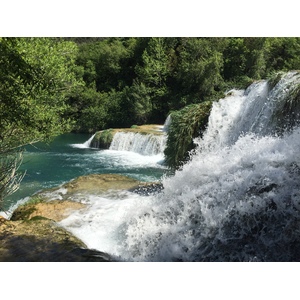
(68, 156)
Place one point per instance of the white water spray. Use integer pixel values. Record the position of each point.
(237, 199)
(167, 123)
(84, 145)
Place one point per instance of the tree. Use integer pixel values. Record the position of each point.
(36, 76)
(138, 102)
(153, 73)
(282, 53)
(244, 60)
(199, 70)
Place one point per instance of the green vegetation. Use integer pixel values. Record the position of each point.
(140, 80)
(186, 124)
(103, 139)
(37, 75)
(35, 199)
(53, 85)
(288, 116)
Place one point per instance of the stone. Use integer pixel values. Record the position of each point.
(56, 210)
(32, 233)
(42, 240)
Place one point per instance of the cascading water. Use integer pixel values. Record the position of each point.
(145, 144)
(237, 199)
(167, 124)
(86, 144)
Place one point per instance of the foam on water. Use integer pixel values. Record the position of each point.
(132, 159)
(107, 213)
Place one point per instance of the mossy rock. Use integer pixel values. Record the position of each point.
(103, 139)
(187, 124)
(274, 79)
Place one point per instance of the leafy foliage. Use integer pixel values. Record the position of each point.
(143, 79)
(36, 75)
(9, 178)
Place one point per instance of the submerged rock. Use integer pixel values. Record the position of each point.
(99, 183)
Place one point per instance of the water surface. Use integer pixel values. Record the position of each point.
(68, 157)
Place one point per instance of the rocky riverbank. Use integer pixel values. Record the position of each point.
(32, 233)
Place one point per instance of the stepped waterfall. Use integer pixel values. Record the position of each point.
(237, 199)
(148, 144)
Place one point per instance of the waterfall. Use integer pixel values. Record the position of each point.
(167, 123)
(257, 110)
(237, 199)
(145, 144)
(84, 145)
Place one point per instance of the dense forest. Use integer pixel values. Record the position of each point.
(55, 85)
(140, 80)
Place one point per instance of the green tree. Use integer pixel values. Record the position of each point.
(138, 102)
(244, 60)
(199, 70)
(89, 108)
(282, 54)
(153, 74)
(36, 77)
(103, 63)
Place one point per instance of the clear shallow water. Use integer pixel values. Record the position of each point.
(68, 157)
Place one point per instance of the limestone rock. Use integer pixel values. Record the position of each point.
(42, 240)
(32, 233)
(55, 210)
(99, 183)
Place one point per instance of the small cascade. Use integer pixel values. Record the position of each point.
(84, 145)
(167, 123)
(145, 144)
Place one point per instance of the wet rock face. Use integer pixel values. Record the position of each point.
(42, 240)
(56, 210)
